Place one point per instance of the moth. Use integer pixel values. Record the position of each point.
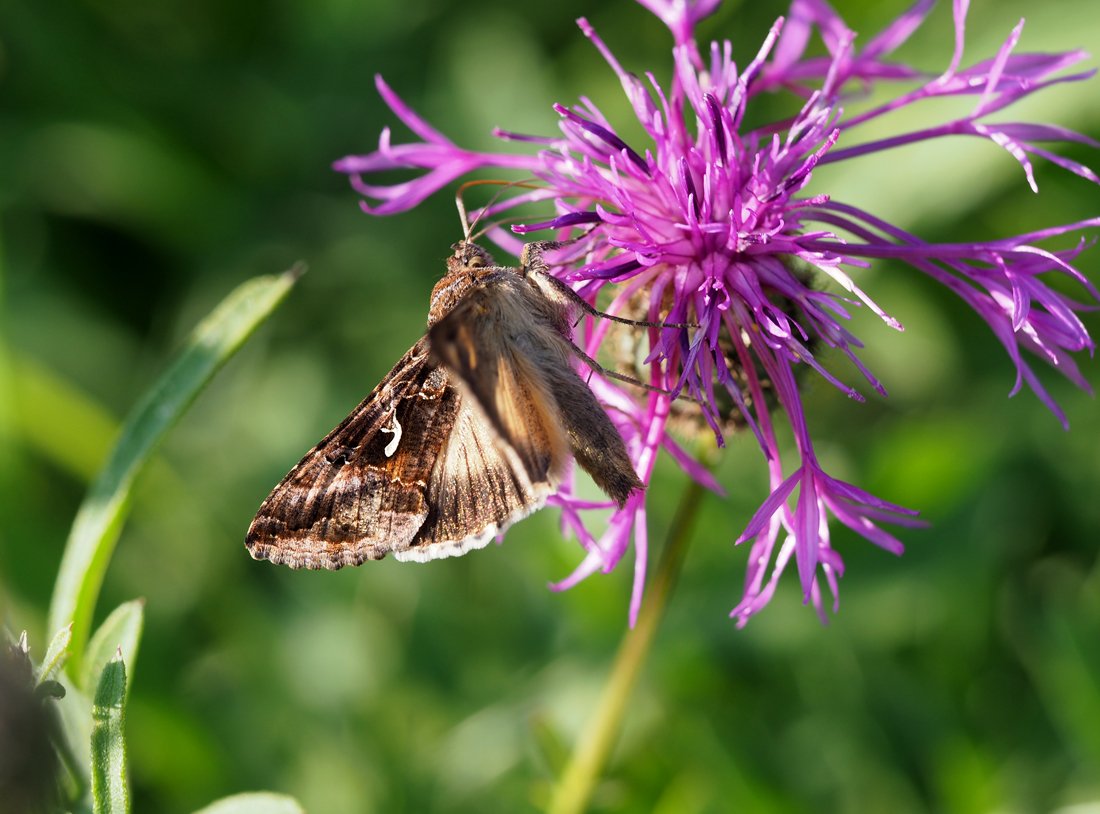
(471, 431)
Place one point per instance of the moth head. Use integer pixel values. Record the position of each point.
(468, 255)
(464, 267)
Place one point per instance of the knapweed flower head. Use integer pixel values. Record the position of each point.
(708, 224)
(29, 767)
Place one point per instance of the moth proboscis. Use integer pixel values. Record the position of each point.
(470, 431)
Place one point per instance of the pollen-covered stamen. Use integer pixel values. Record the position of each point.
(604, 135)
(565, 221)
(718, 130)
(690, 199)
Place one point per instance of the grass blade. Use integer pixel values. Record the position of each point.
(110, 791)
(56, 654)
(99, 519)
(119, 633)
(74, 747)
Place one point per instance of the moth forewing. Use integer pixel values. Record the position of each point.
(497, 347)
(518, 329)
(347, 500)
(478, 488)
(471, 431)
(595, 442)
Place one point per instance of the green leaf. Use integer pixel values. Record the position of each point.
(256, 802)
(121, 631)
(75, 717)
(110, 792)
(56, 654)
(99, 519)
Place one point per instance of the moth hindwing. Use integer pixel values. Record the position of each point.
(469, 432)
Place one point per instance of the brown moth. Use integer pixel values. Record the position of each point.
(471, 431)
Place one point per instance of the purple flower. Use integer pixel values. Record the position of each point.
(707, 223)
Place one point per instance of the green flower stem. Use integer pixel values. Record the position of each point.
(582, 772)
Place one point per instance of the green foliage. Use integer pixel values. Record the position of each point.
(56, 654)
(117, 637)
(92, 736)
(100, 517)
(110, 786)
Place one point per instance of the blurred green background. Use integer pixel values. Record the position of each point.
(154, 155)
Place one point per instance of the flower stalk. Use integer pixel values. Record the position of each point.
(582, 772)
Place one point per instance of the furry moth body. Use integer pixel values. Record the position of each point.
(471, 431)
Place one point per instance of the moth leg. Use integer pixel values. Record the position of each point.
(611, 374)
(532, 262)
(532, 252)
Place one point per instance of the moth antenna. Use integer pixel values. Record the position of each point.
(520, 218)
(462, 217)
(468, 227)
(495, 224)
